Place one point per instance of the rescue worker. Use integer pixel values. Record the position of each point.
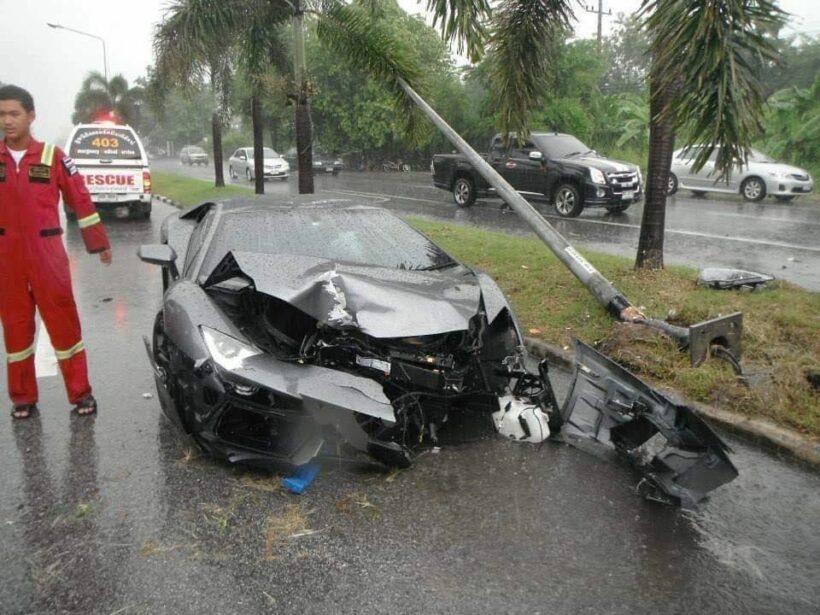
(33, 263)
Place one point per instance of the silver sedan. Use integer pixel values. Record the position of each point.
(240, 164)
(761, 177)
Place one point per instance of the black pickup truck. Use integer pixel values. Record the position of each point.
(558, 166)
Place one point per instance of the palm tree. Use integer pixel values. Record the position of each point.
(704, 82)
(351, 30)
(703, 78)
(99, 97)
(189, 48)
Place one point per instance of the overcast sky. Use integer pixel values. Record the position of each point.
(52, 64)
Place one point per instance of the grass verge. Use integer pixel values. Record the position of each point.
(781, 341)
(781, 338)
(190, 191)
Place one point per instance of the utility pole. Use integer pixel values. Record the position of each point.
(601, 13)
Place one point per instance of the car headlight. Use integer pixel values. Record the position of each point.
(597, 176)
(779, 174)
(285, 166)
(226, 351)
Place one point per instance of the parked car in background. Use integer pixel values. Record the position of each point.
(114, 165)
(325, 163)
(241, 164)
(557, 166)
(762, 176)
(193, 154)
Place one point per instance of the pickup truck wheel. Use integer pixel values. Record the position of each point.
(567, 201)
(464, 192)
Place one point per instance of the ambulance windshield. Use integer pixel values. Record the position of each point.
(105, 142)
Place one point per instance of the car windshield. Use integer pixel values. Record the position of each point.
(756, 156)
(559, 146)
(267, 152)
(360, 236)
(105, 142)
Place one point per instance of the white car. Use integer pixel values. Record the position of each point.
(241, 164)
(114, 165)
(761, 177)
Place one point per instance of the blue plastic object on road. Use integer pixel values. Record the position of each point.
(300, 480)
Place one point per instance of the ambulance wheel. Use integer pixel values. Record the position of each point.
(70, 215)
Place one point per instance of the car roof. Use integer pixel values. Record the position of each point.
(271, 203)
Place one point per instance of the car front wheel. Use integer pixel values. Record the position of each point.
(464, 192)
(248, 175)
(567, 201)
(232, 173)
(672, 186)
(753, 189)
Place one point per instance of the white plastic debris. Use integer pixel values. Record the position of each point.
(147, 395)
(521, 420)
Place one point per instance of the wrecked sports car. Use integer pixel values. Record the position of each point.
(288, 329)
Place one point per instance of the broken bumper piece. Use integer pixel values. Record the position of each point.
(679, 455)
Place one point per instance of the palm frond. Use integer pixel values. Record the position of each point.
(522, 51)
(707, 53)
(369, 45)
(463, 23)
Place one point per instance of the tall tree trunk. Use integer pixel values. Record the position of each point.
(661, 146)
(216, 137)
(258, 154)
(304, 126)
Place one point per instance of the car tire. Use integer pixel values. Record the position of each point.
(784, 199)
(248, 175)
(753, 189)
(672, 185)
(232, 173)
(567, 201)
(464, 191)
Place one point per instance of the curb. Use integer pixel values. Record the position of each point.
(167, 201)
(762, 431)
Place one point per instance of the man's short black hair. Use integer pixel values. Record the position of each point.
(13, 92)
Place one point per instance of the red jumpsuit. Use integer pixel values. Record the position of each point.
(34, 265)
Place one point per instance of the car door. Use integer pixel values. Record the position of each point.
(706, 177)
(526, 174)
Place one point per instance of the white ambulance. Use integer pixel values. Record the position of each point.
(113, 162)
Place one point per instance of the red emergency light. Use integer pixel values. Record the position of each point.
(107, 117)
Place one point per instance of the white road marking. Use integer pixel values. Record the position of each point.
(760, 242)
(45, 361)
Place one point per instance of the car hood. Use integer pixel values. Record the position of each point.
(777, 167)
(602, 164)
(380, 302)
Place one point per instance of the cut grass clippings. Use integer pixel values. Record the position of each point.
(781, 325)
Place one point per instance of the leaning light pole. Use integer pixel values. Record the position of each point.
(724, 332)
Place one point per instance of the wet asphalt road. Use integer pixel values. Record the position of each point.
(119, 514)
(770, 237)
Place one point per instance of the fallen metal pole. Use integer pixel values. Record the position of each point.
(607, 295)
(724, 331)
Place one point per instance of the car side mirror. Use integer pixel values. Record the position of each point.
(536, 155)
(159, 254)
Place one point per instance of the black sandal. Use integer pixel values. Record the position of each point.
(88, 405)
(29, 409)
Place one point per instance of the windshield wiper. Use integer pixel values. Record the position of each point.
(572, 154)
(437, 267)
